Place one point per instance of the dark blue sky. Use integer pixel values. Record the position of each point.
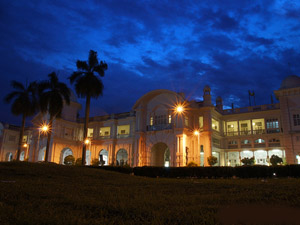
(233, 46)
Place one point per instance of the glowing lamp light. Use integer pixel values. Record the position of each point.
(45, 128)
(87, 141)
(196, 132)
(179, 109)
(25, 145)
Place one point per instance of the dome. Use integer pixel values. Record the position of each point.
(290, 82)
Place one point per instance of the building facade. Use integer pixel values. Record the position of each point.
(156, 133)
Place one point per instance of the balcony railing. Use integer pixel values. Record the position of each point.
(254, 132)
(159, 127)
(123, 135)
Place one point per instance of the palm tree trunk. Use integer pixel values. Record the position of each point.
(49, 139)
(86, 124)
(21, 137)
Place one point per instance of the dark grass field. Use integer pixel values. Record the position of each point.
(54, 194)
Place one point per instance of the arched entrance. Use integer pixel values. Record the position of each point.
(122, 157)
(41, 156)
(64, 153)
(160, 155)
(22, 156)
(103, 157)
(88, 157)
(9, 157)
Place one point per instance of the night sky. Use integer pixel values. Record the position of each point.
(232, 46)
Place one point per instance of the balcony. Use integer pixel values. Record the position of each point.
(104, 136)
(158, 127)
(123, 135)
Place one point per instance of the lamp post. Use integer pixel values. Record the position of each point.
(43, 129)
(197, 133)
(26, 152)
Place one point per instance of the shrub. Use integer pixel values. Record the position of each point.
(248, 161)
(212, 160)
(192, 164)
(96, 162)
(275, 160)
(78, 162)
(69, 160)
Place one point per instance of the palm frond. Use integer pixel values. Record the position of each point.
(12, 95)
(17, 85)
(93, 59)
(75, 76)
(100, 69)
(82, 65)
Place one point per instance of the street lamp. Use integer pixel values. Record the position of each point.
(197, 133)
(43, 129)
(87, 141)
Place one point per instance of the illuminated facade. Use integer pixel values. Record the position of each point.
(154, 133)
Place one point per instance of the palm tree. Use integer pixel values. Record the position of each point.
(53, 94)
(88, 85)
(25, 103)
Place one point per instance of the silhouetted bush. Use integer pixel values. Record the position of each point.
(69, 160)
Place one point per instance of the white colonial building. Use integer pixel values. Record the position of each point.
(154, 133)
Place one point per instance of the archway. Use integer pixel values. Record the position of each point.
(88, 157)
(64, 153)
(122, 157)
(103, 157)
(22, 156)
(41, 156)
(9, 157)
(160, 155)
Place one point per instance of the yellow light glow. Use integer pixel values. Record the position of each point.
(45, 128)
(179, 109)
(253, 124)
(87, 141)
(196, 132)
(25, 145)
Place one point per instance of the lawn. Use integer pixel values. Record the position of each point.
(55, 194)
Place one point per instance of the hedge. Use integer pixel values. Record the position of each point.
(255, 171)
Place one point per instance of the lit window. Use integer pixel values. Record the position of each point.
(200, 122)
(186, 121)
(151, 120)
(90, 132)
(104, 131)
(215, 124)
(170, 118)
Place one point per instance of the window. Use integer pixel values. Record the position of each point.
(200, 122)
(151, 120)
(186, 121)
(259, 141)
(246, 142)
(272, 126)
(274, 140)
(90, 132)
(232, 128)
(232, 142)
(296, 118)
(160, 119)
(123, 130)
(104, 131)
(24, 138)
(215, 124)
(170, 118)
(245, 127)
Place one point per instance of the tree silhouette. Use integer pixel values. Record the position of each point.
(25, 103)
(53, 94)
(88, 85)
